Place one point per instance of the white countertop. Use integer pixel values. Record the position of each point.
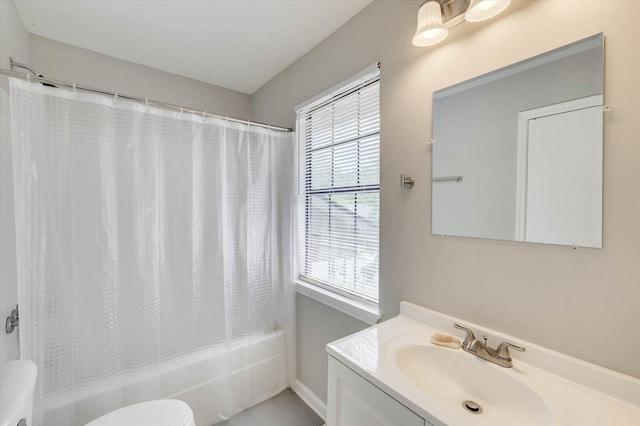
(576, 392)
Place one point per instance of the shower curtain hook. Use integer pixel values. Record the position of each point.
(115, 97)
(181, 110)
(73, 86)
(204, 115)
(29, 77)
(146, 102)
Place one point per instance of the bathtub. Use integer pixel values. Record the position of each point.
(200, 379)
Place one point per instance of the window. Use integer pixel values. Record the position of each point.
(339, 188)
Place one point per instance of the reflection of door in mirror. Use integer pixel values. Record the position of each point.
(559, 173)
(489, 180)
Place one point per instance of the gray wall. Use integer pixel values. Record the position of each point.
(14, 42)
(77, 65)
(315, 326)
(585, 303)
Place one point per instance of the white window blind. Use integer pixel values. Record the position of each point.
(339, 190)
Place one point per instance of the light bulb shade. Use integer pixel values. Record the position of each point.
(431, 30)
(480, 10)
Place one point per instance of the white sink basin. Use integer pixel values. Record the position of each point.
(452, 377)
(543, 388)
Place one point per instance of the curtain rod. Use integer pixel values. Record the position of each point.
(166, 105)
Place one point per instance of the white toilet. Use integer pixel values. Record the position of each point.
(163, 412)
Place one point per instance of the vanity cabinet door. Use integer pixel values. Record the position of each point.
(353, 401)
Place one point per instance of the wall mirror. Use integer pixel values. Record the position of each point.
(517, 152)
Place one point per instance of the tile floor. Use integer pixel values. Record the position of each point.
(284, 409)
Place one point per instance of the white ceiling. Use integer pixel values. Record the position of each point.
(238, 44)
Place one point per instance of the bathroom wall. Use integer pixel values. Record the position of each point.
(585, 302)
(65, 62)
(14, 42)
(316, 325)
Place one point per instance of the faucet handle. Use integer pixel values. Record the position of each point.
(502, 350)
(470, 337)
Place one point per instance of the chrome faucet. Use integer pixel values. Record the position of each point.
(499, 355)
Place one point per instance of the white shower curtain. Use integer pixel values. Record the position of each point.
(143, 235)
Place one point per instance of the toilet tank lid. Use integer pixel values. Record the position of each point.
(163, 412)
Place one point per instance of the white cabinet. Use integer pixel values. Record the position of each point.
(353, 401)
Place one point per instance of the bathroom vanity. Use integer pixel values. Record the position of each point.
(390, 374)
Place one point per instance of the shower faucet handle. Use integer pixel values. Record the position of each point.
(12, 322)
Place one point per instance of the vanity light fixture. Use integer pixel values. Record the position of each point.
(430, 30)
(481, 10)
(436, 17)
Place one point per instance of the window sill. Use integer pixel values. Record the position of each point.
(360, 311)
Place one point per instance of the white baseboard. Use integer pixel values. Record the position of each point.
(311, 399)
